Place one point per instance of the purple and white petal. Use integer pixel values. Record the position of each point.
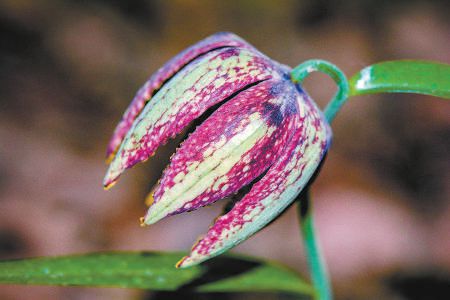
(154, 83)
(275, 191)
(235, 145)
(203, 83)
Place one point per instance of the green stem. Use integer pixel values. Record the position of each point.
(319, 275)
(300, 72)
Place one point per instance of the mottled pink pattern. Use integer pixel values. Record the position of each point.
(218, 40)
(196, 101)
(273, 184)
(223, 67)
(268, 99)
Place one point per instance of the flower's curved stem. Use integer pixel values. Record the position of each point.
(319, 276)
(300, 72)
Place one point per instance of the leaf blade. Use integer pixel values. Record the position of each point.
(266, 283)
(153, 270)
(109, 269)
(403, 76)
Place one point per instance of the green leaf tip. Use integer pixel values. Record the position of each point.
(403, 76)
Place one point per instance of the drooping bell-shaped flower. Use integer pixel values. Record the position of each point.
(266, 127)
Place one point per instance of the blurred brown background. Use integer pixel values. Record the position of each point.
(68, 70)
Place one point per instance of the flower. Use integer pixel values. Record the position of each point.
(266, 128)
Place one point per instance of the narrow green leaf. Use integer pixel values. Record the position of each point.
(137, 270)
(263, 278)
(156, 271)
(404, 76)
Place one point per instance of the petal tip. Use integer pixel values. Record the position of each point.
(185, 262)
(111, 176)
(108, 185)
(142, 222)
(151, 217)
(179, 264)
